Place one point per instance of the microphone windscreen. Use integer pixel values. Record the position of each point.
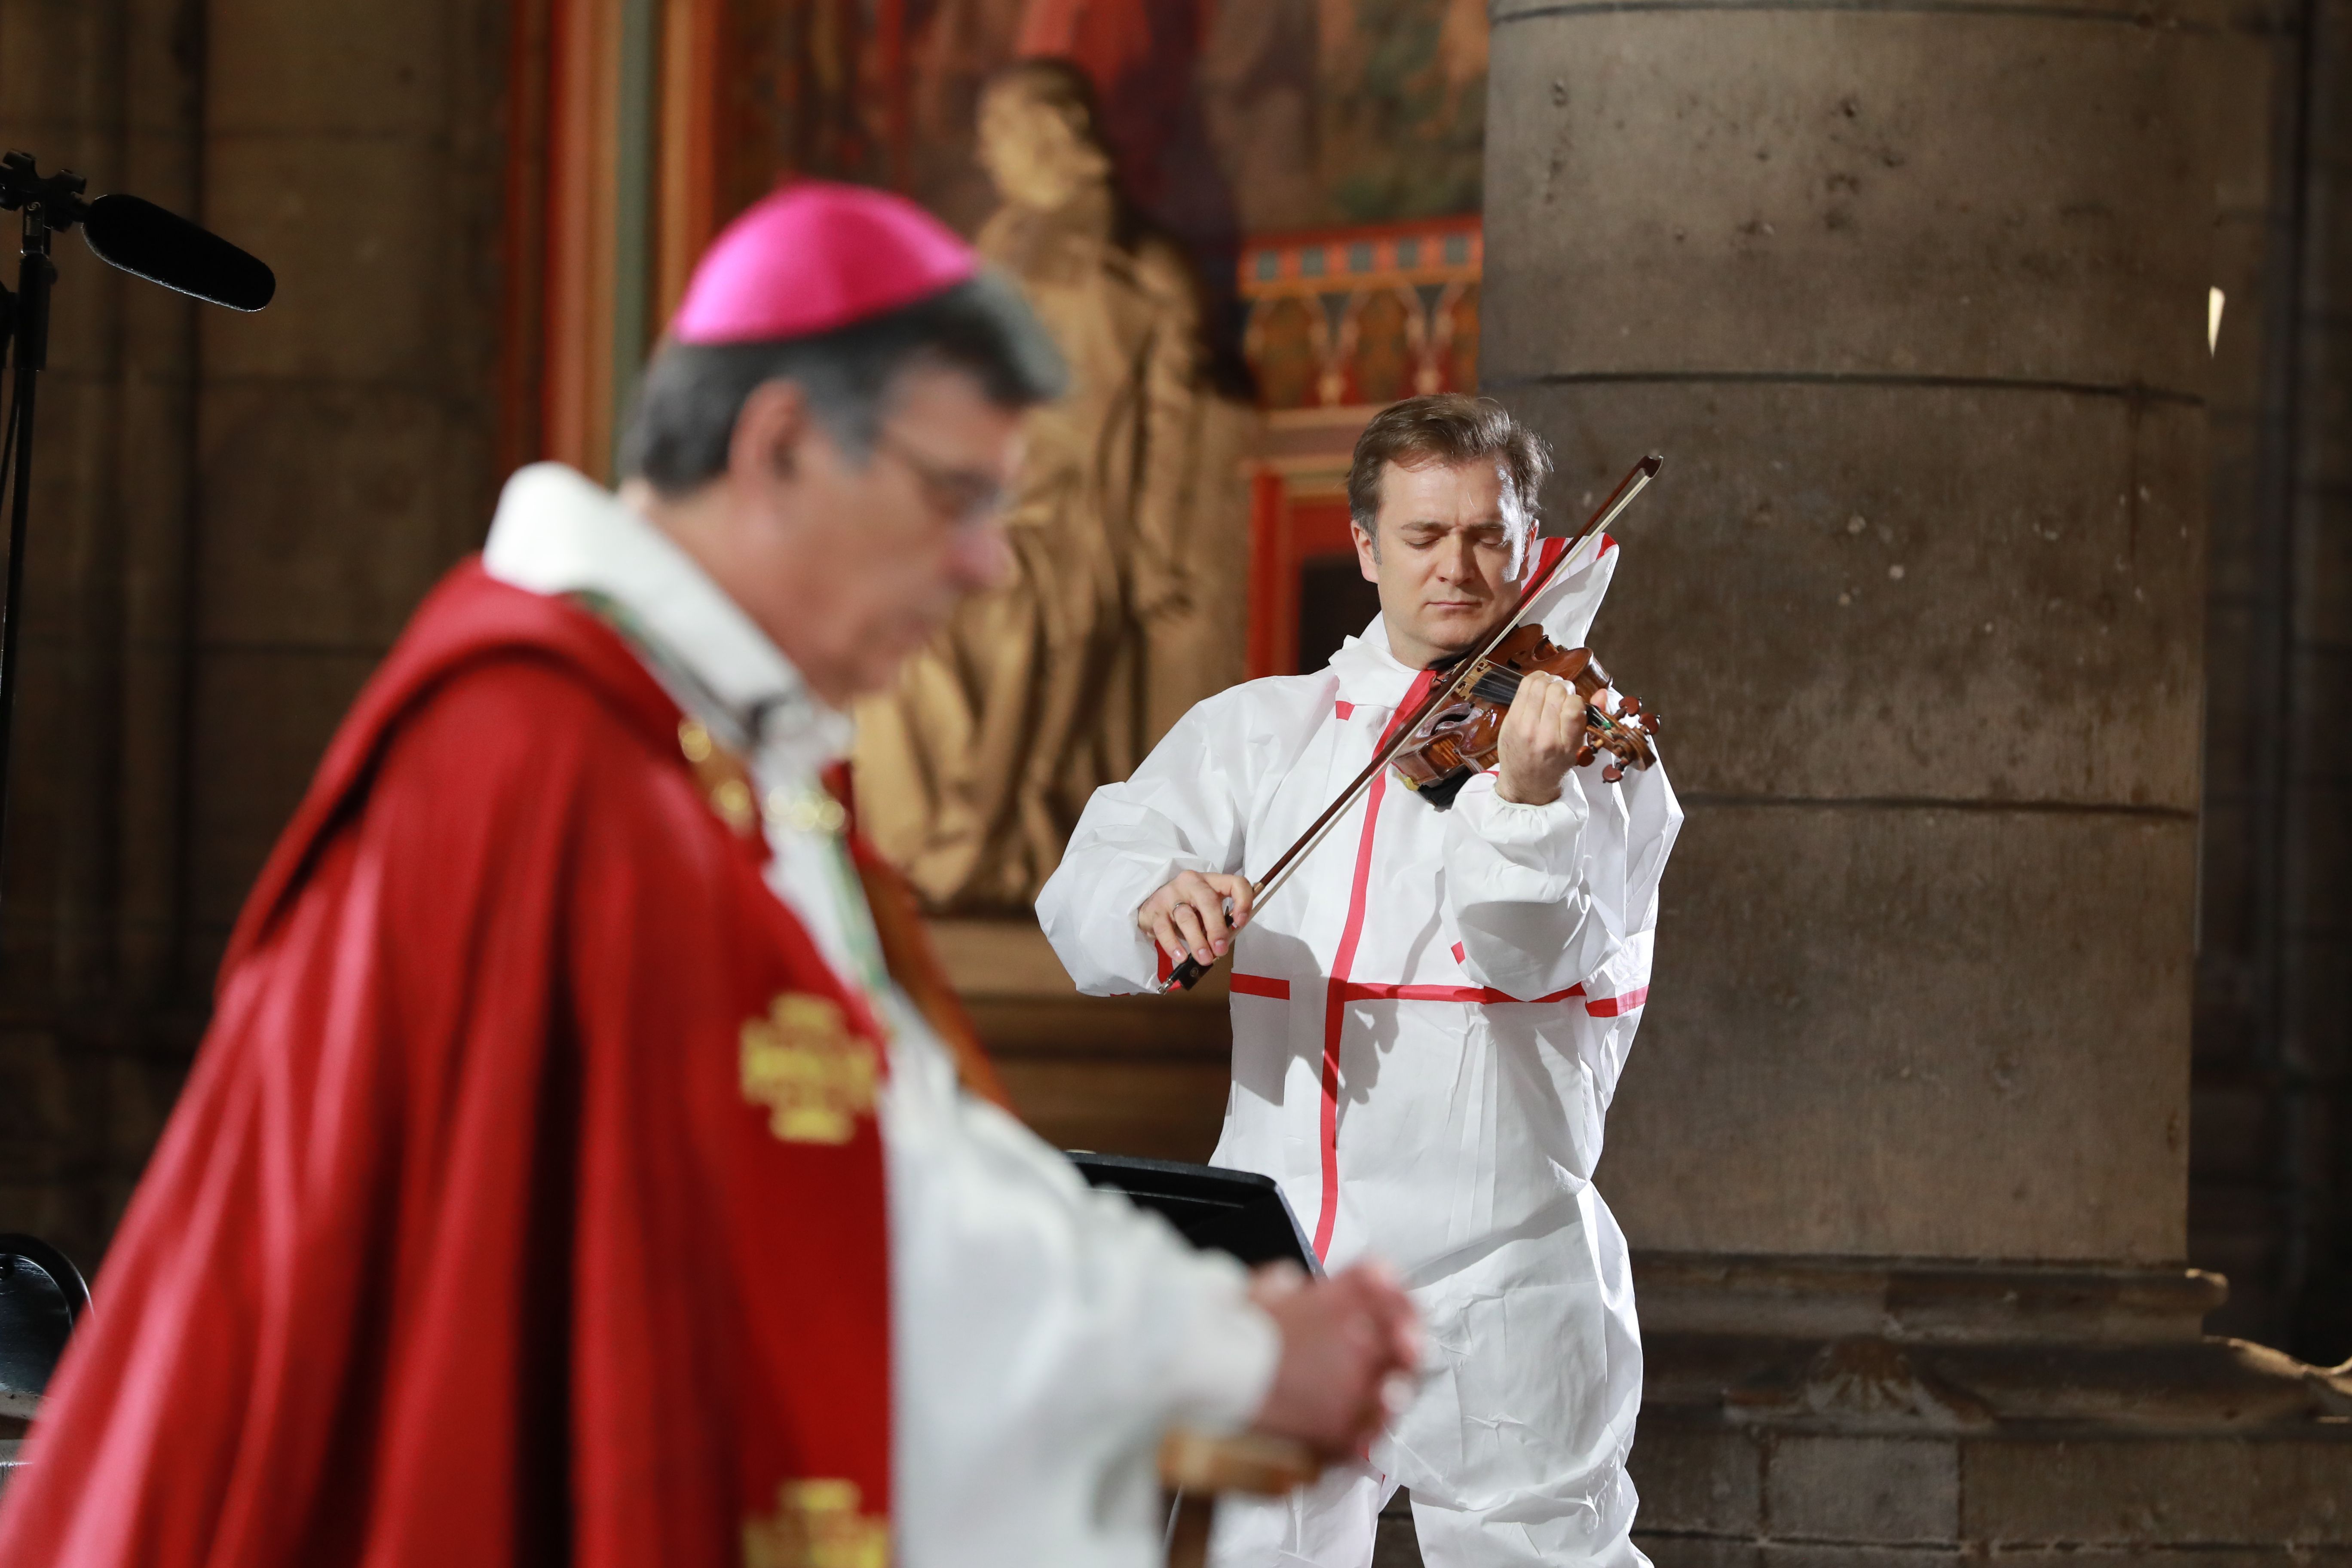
(164, 248)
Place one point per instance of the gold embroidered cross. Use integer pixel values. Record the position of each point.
(814, 1075)
(817, 1524)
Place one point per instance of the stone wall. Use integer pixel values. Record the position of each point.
(1915, 299)
(233, 515)
(1903, 295)
(2271, 1185)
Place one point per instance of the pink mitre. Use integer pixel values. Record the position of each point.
(814, 256)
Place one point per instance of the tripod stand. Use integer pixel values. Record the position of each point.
(124, 232)
(26, 315)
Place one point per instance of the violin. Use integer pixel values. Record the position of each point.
(1464, 737)
(1456, 731)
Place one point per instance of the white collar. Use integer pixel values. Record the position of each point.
(558, 532)
(1369, 673)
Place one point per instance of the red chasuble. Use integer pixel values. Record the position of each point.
(526, 1203)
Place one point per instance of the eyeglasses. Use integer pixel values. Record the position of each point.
(964, 497)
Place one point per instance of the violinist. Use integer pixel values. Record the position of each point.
(1429, 1022)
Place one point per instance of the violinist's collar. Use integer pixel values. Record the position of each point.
(1369, 674)
(558, 532)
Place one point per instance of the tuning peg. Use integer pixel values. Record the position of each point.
(1584, 755)
(1612, 774)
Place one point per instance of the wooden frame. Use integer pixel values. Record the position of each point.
(687, 214)
(583, 158)
(611, 195)
(1286, 530)
(617, 177)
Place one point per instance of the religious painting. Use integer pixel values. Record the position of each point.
(1402, 95)
(797, 83)
(1227, 117)
(1382, 347)
(1457, 334)
(1286, 346)
(1360, 317)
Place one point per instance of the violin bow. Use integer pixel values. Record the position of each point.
(1188, 974)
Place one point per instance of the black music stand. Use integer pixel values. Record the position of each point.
(1236, 1212)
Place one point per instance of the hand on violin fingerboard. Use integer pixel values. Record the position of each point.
(1542, 738)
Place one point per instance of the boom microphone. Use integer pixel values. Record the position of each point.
(137, 236)
(164, 248)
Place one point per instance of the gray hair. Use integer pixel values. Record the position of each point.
(683, 420)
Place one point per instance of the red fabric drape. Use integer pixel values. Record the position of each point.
(471, 1242)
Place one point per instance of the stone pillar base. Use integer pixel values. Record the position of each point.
(1808, 1410)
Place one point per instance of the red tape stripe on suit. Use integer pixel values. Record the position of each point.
(1335, 1001)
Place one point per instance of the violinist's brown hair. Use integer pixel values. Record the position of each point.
(1447, 428)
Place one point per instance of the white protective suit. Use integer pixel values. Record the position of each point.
(1042, 1335)
(1429, 1021)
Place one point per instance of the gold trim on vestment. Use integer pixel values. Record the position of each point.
(806, 1065)
(817, 1524)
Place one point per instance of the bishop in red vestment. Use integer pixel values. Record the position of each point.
(496, 1224)
(576, 1171)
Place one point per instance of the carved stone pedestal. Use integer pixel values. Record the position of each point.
(1853, 1412)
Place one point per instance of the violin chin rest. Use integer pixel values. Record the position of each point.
(1441, 792)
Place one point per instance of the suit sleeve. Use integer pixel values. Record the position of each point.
(1183, 810)
(1549, 897)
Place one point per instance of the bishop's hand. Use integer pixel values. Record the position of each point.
(1543, 730)
(1351, 1345)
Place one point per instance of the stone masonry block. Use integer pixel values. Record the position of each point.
(1925, 605)
(1913, 1033)
(357, 230)
(263, 718)
(2323, 690)
(2253, 1491)
(37, 1106)
(1813, 1554)
(331, 510)
(54, 46)
(1882, 1490)
(2278, 1555)
(1845, 190)
(1706, 1482)
(46, 1209)
(2322, 581)
(1697, 1551)
(327, 69)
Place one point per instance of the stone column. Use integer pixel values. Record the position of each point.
(1914, 297)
